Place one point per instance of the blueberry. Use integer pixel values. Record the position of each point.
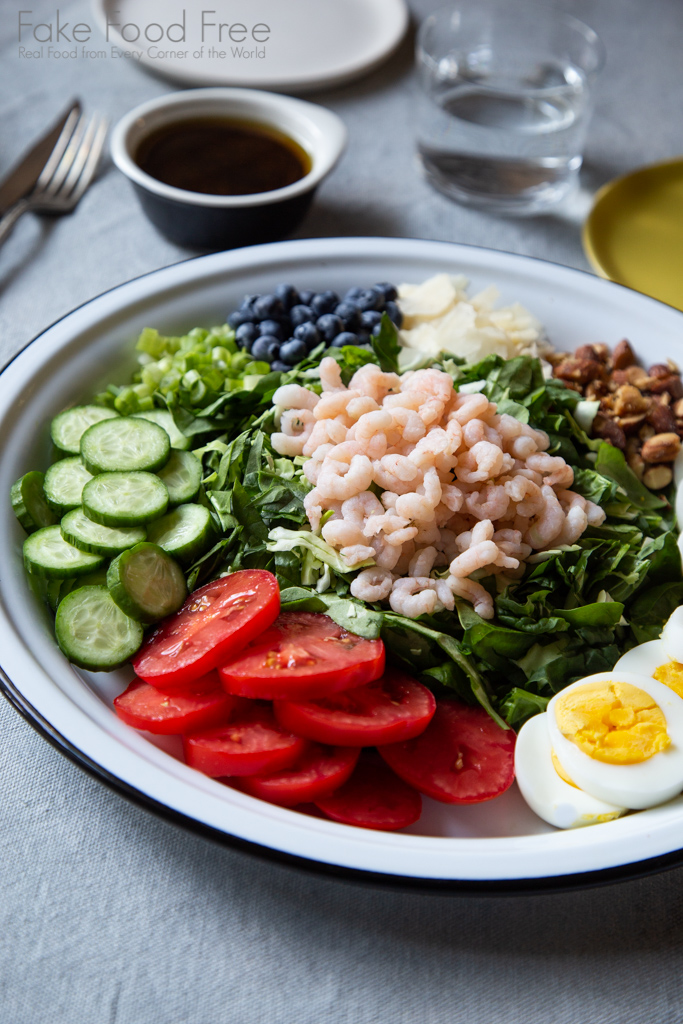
(349, 314)
(370, 319)
(272, 327)
(301, 315)
(389, 291)
(353, 294)
(363, 339)
(268, 307)
(394, 313)
(309, 334)
(246, 334)
(293, 351)
(346, 338)
(305, 297)
(266, 347)
(329, 326)
(239, 317)
(376, 330)
(369, 299)
(288, 295)
(324, 302)
(248, 302)
(280, 366)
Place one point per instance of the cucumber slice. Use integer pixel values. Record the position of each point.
(185, 533)
(47, 591)
(182, 475)
(146, 583)
(46, 553)
(69, 426)
(29, 502)
(83, 533)
(64, 483)
(124, 499)
(165, 420)
(126, 444)
(93, 632)
(91, 579)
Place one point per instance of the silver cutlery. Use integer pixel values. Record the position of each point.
(68, 171)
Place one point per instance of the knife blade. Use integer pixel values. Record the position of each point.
(23, 176)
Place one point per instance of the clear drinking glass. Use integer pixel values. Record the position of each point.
(505, 99)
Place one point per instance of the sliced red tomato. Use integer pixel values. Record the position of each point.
(213, 625)
(252, 743)
(462, 757)
(200, 705)
(318, 772)
(373, 798)
(303, 655)
(392, 708)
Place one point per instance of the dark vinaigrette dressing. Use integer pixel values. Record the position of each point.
(222, 157)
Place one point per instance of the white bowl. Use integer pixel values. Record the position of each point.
(198, 220)
(491, 847)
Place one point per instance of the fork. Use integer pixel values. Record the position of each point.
(69, 170)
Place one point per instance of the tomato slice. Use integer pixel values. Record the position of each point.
(387, 710)
(200, 705)
(303, 655)
(462, 757)
(213, 625)
(373, 798)
(318, 772)
(252, 743)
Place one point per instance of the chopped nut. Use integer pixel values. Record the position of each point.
(602, 352)
(672, 384)
(630, 424)
(635, 461)
(657, 477)
(635, 375)
(647, 430)
(579, 371)
(596, 389)
(659, 370)
(661, 417)
(628, 401)
(623, 356)
(608, 430)
(661, 448)
(588, 352)
(678, 408)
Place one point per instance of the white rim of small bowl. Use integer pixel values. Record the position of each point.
(318, 131)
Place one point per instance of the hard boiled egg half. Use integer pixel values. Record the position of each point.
(607, 743)
(661, 659)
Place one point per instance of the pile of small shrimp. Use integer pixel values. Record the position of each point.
(460, 486)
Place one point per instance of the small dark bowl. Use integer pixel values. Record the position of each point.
(196, 220)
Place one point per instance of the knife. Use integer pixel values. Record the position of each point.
(23, 177)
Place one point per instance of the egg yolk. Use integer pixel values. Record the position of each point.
(671, 675)
(560, 770)
(613, 722)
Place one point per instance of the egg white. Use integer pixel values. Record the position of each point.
(549, 796)
(672, 635)
(644, 659)
(635, 786)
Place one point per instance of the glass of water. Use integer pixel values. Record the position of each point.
(505, 98)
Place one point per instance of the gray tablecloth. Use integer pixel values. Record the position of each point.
(110, 915)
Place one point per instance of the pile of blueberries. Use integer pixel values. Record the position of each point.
(283, 327)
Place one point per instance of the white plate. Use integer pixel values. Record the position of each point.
(309, 44)
(499, 845)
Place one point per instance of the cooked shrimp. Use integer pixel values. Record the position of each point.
(372, 584)
(413, 597)
(293, 396)
(330, 375)
(344, 480)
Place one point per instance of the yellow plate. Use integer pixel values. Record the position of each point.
(634, 233)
